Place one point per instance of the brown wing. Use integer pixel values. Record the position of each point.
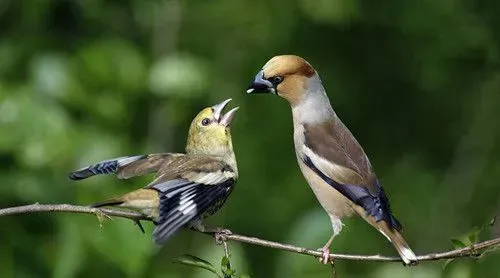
(198, 169)
(126, 167)
(333, 142)
(335, 156)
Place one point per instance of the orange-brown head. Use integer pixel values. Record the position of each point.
(287, 76)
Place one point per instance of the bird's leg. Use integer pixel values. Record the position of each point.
(337, 227)
(325, 256)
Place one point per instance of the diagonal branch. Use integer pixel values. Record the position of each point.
(458, 253)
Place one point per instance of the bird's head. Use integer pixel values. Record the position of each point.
(209, 133)
(288, 76)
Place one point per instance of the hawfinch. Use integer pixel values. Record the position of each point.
(332, 161)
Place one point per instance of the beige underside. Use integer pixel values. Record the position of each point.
(336, 205)
(146, 201)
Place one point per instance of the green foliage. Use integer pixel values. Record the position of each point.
(225, 266)
(469, 239)
(194, 261)
(417, 82)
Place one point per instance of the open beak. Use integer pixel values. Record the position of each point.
(224, 119)
(261, 85)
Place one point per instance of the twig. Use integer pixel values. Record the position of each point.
(458, 253)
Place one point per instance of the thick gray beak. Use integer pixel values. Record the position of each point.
(227, 118)
(261, 85)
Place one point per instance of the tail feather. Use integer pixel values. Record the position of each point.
(395, 237)
(392, 231)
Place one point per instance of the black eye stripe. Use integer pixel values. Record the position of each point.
(276, 79)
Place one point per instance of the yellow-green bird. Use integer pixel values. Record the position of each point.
(187, 187)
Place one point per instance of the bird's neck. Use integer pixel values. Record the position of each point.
(314, 107)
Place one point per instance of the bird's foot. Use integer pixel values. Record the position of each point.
(325, 252)
(220, 234)
(325, 256)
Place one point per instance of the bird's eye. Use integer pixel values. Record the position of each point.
(276, 79)
(205, 121)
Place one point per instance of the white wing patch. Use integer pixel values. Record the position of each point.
(187, 207)
(212, 178)
(125, 160)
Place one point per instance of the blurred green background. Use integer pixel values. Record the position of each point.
(417, 82)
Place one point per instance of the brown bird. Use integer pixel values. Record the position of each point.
(332, 161)
(187, 187)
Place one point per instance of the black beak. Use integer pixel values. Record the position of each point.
(261, 85)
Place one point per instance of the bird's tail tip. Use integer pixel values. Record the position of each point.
(396, 238)
(407, 255)
(409, 258)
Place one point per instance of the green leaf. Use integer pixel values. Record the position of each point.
(226, 267)
(194, 261)
(473, 236)
(225, 262)
(459, 243)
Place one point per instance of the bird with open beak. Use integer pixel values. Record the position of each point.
(332, 161)
(187, 187)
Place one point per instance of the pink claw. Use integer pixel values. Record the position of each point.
(325, 256)
(325, 251)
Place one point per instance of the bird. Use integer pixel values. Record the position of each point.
(332, 161)
(187, 187)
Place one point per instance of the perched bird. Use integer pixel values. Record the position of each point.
(187, 187)
(330, 158)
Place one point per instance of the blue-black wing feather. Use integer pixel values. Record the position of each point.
(177, 196)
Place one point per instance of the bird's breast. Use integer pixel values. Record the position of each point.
(332, 201)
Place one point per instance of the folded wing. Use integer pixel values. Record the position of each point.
(332, 153)
(200, 188)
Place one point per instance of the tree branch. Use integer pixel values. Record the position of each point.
(99, 212)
